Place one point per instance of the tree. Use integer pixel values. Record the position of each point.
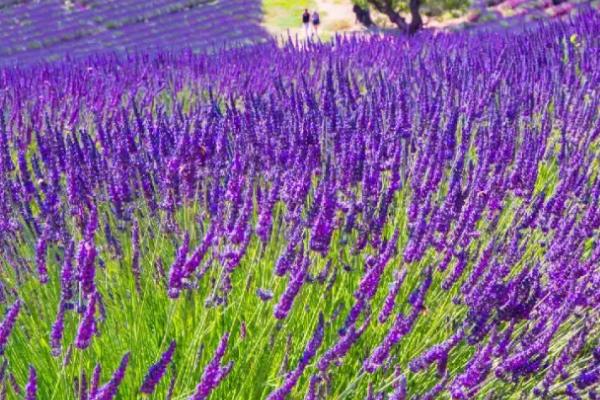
(363, 15)
(390, 7)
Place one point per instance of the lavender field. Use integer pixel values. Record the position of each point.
(380, 217)
(50, 30)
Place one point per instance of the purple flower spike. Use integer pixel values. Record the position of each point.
(402, 325)
(291, 291)
(311, 393)
(87, 327)
(370, 281)
(56, 334)
(95, 381)
(109, 390)
(264, 294)
(176, 272)
(437, 353)
(156, 371)
(214, 372)
(309, 352)
(198, 255)
(66, 274)
(342, 346)
(92, 225)
(390, 300)
(31, 387)
(40, 259)
(83, 393)
(399, 392)
(87, 267)
(8, 323)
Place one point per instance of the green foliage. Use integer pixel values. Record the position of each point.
(428, 7)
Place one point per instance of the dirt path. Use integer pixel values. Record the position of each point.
(336, 17)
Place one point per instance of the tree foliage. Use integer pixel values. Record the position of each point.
(391, 8)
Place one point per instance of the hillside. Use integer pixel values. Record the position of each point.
(47, 30)
(50, 29)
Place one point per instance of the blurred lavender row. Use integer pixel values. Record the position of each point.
(34, 31)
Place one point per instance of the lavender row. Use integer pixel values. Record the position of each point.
(94, 30)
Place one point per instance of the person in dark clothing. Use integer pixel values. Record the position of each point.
(316, 21)
(306, 21)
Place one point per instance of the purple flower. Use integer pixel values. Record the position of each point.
(311, 393)
(264, 294)
(8, 323)
(28, 186)
(286, 259)
(3, 369)
(13, 382)
(95, 381)
(434, 392)
(291, 291)
(214, 372)
(390, 299)
(265, 216)
(56, 334)
(477, 369)
(355, 312)
(176, 272)
(196, 258)
(309, 352)
(31, 387)
(87, 326)
(109, 390)
(171, 388)
(401, 327)
(568, 353)
(456, 272)
(87, 267)
(399, 392)
(92, 225)
(479, 268)
(323, 227)
(83, 393)
(370, 282)
(156, 371)
(40, 259)
(588, 378)
(66, 274)
(437, 353)
(342, 346)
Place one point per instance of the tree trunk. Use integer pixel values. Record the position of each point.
(385, 7)
(363, 15)
(415, 17)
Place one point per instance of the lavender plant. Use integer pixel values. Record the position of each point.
(380, 217)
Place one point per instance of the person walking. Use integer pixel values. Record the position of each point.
(306, 21)
(316, 21)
